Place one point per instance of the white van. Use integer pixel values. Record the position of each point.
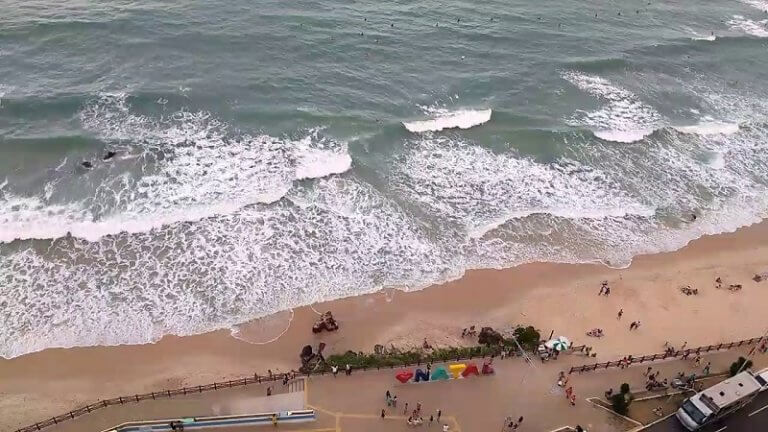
(718, 401)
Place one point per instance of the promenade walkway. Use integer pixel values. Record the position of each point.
(475, 404)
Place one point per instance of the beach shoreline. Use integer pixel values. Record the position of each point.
(559, 298)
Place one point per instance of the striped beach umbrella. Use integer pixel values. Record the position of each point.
(559, 343)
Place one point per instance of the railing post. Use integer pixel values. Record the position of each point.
(214, 386)
(121, 399)
(169, 393)
(153, 395)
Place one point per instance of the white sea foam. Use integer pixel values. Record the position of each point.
(758, 4)
(623, 136)
(189, 167)
(623, 117)
(451, 205)
(710, 38)
(710, 128)
(444, 119)
(345, 239)
(481, 190)
(748, 26)
(717, 160)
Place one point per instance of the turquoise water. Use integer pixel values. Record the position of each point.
(275, 154)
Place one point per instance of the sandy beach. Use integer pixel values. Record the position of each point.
(553, 297)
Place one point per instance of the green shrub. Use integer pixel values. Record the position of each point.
(620, 402)
(739, 364)
(528, 337)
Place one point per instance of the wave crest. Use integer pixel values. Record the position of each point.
(462, 119)
(183, 167)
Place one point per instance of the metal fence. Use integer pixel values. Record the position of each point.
(630, 360)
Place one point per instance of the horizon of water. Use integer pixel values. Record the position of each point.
(275, 156)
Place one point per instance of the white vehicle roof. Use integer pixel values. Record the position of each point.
(729, 391)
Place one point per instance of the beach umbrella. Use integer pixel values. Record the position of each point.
(559, 343)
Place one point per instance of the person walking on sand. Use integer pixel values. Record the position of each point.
(572, 399)
(602, 288)
(621, 312)
(439, 413)
(431, 419)
(388, 396)
(382, 413)
(607, 290)
(405, 410)
(568, 392)
(648, 371)
(348, 369)
(269, 391)
(706, 368)
(335, 370)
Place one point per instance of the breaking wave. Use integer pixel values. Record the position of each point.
(444, 119)
(184, 167)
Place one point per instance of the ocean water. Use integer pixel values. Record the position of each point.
(272, 154)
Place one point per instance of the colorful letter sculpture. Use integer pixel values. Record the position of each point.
(421, 376)
(447, 372)
(470, 370)
(404, 376)
(457, 369)
(439, 374)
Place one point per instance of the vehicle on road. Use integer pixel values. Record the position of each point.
(762, 378)
(719, 400)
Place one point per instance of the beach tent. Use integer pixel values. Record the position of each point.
(559, 343)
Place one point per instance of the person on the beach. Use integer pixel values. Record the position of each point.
(573, 399)
(382, 413)
(274, 420)
(568, 392)
(269, 391)
(431, 419)
(405, 410)
(648, 371)
(335, 370)
(621, 312)
(607, 290)
(439, 413)
(418, 407)
(706, 368)
(348, 369)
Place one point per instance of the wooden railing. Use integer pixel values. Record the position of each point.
(630, 360)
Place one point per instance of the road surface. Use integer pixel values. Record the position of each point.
(753, 417)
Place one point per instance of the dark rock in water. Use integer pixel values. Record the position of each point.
(109, 155)
(87, 164)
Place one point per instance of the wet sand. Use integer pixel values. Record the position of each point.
(554, 297)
